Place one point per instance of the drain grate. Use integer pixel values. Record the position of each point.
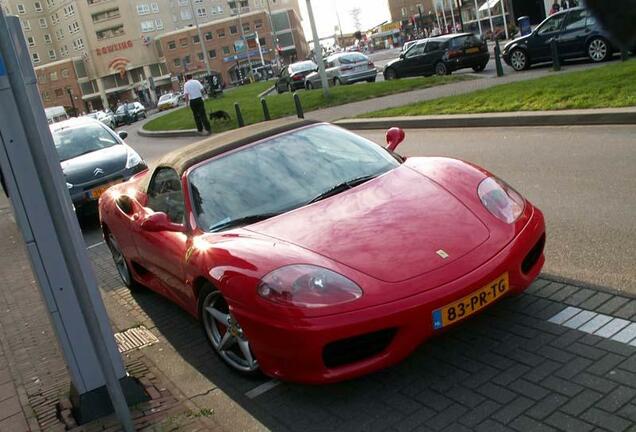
(134, 338)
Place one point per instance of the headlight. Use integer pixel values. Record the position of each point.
(68, 185)
(133, 159)
(307, 286)
(500, 199)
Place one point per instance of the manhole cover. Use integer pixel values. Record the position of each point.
(134, 338)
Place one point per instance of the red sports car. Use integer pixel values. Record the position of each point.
(315, 255)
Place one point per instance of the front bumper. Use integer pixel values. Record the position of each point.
(81, 193)
(299, 352)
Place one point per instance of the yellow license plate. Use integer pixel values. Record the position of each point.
(473, 302)
(472, 50)
(98, 191)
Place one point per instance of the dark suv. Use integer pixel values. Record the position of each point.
(577, 33)
(440, 55)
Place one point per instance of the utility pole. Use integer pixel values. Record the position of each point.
(453, 16)
(274, 36)
(318, 51)
(492, 29)
(205, 54)
(459, 11)
(247, 49)
(478, 18)
(503, 16)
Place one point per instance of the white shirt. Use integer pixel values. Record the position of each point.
(193, 89)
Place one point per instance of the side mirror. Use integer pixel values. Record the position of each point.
(402, 55)
(158, 222)
(394, 136)
(123, 134)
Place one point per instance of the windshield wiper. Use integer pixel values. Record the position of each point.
(80, 154)
(342, 187)
(242, 221)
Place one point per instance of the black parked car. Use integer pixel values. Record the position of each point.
(293, 76)
(577, 33)
(440, 55)
(135, 111)
(93, 158)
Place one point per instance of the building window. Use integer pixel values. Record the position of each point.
(233, 29)
(110, 32)
(64, 73)
(69, 11)
(172, 45)
(43, 23)
(258, 24)
(186, 14)
(50, 3)
(31, 41)
(197, 1)
(58, 93)
(220, 33)
(106, 15)
(186, 60)
(59, 34)
(246, 27)
(78, 44)
(143, 9)
(262, 41)
(37, 6)
(183, 42)
(202, 13)
(42, 79)
(47, 39)
(159, 24)
(35, 57)
(195, 39)
(73, 27)
(64, 51)
(26, 25)
(177, 62)
(226, 50)
(216, 10)
(52, 55)
(147, 26)
(183, 2)
(55, 18)
(200, 56)
(21, 10)
(212, 54)
(208, 36)
(154, 7)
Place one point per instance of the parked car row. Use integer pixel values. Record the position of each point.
(128, 113)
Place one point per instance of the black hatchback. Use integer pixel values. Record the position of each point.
(440, 55)
(576, 32)
(93, 158)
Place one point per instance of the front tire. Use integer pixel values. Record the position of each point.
(479, 68)
(310, 86)
(598, 50)
(390, 74)
(224, 333)
(519, 60)
(441, 69)
(120, 263)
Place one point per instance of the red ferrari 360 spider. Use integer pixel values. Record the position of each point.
(315, 255)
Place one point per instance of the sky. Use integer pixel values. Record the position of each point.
(373, 12)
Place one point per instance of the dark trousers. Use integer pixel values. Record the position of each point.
(198, 111)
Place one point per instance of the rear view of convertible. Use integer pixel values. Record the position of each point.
(314, 255)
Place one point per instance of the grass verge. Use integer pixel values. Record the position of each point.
(281, 105)
(611, 86)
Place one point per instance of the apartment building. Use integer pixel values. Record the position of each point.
(228, 55)
(109, 50)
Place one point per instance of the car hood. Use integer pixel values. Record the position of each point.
(391, 228)
(393, 62)
(520, 40)
(82, 169)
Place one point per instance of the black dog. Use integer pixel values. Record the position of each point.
(220, 115)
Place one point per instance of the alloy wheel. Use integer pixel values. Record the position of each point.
(597, 50)
(226, 334)
(120, 261)
(440, 69)
(390, 75)
(518, 60)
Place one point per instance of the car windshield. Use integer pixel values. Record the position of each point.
(165, 97)
(303, 66)
(282, 173)
(76, 140)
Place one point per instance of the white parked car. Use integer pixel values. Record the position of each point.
(169, 100)
(106, 118)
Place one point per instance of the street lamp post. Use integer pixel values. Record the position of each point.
(247, 49)
(274, 36)
(205, 54)
(318, 51)
(478, 17)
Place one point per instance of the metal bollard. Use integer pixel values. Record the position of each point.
(299, 107)
(265, 110)
(556, 62)
(624, 54)
(498, 65)
(239, 115)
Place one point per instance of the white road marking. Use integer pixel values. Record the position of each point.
(95, 245)
(265, 387)
(605, 326)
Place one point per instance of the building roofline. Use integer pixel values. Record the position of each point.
(56, 63)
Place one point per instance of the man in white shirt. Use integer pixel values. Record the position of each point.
(193, 93)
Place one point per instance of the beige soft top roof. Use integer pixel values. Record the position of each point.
(183, 158)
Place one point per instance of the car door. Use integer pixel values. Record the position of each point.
(574, 33)
(539, 43)
(413, 62)
(162, 253)
(432, 53)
